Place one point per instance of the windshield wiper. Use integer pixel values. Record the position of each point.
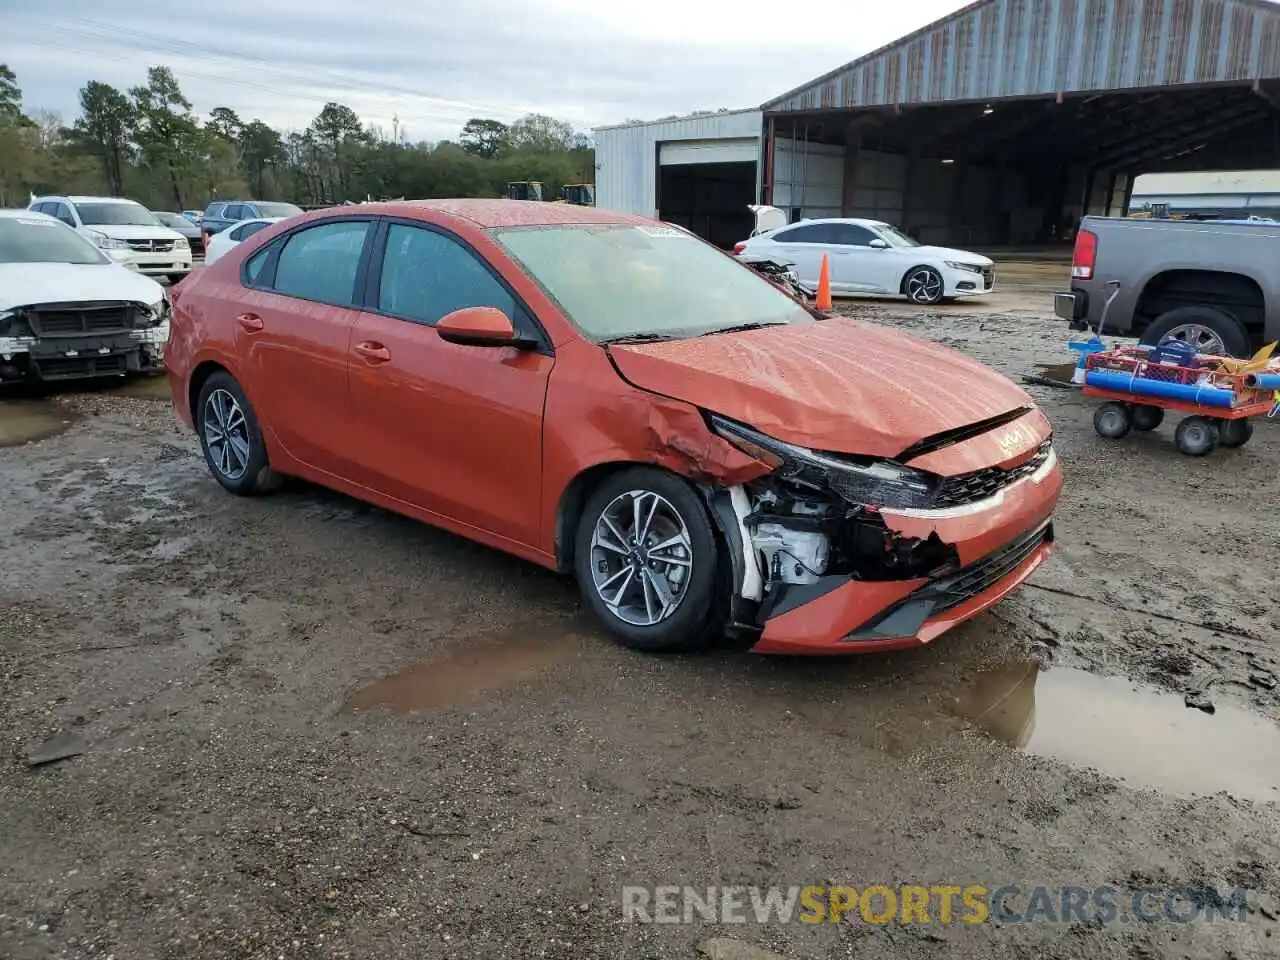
(635, 338)
(741, 327)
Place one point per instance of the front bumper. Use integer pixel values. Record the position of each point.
(160, 264)
(77, 357)
(967, 283)
(999, 547)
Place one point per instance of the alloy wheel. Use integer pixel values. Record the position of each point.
(226, 434)
(924, 286)
(1203, 339)
(641, 557)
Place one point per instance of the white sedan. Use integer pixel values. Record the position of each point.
(67, 310)
(234, 235)
(871, 257)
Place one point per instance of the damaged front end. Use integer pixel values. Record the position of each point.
(65, 341)
(836, 552)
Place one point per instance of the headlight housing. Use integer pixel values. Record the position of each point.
(181, 244)
(154, 314)
(866, 482)
(966, 267)
(109, 243)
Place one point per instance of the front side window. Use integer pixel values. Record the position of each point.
(426, 275)
(36, 239)
(851, 235)
(621, 280)
(116, 215)
(320, 263)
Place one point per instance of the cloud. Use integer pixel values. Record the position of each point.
(435, 65)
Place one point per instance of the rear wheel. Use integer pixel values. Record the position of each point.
(1234, 433)
(1196, 436)
(1208, 329)
(231, 438)
(647, 562)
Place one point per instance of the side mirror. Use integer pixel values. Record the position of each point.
(480, 327)
(878, 244)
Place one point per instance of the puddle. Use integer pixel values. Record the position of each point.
(1146, 737)
(1053, 374)
(468, 668)
(24, 421)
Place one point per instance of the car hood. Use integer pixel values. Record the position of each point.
(30, 284)
(951, 253)
(838, 385)
(134, 232)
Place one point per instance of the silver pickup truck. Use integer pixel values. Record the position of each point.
(1215, 284)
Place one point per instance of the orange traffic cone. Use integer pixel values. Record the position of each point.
(824, 286)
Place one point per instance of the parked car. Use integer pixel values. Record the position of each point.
(127, 231)
(67, 310)
(193, 216)
(1210, 283)
(237, 233)
(608, 395)
(223, 213)
(872, 257)
(180, 224)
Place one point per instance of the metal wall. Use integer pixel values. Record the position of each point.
(627, 156)
(1011, 48)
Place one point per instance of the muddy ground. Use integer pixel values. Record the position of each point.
(242, 676)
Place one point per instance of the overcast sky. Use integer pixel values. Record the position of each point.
(437, 62)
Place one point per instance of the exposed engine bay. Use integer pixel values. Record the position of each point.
(818, 515)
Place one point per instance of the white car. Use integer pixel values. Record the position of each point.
(67, 310)
(869, 257)
(234, 235)
(127, 231)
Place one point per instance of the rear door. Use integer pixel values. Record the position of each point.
(293, 331)
(804, 246)
(453, 429)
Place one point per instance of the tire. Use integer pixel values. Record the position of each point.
(1196, 436)
(1146, 417)
(1209, 328)
(923, 286)
(1234, 433)
(697, 618)
(1112, 420)
(255, 476)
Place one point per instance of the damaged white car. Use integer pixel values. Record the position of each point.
(68, 311)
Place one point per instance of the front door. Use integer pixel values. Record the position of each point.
(858, 267)
(453, 429)
(294, 331)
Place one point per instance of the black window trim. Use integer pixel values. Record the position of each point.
(373, 279)
(267, 278)
(795, 228)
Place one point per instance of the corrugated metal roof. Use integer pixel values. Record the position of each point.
(1016, 48)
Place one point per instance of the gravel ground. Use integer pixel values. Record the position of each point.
(312, 729)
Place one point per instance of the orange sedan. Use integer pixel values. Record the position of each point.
(611, 397)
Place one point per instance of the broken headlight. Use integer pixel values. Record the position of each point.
(153, 314)
(863, 482)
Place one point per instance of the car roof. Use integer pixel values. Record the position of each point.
(98, 200)
(856, 221)
(488, 214)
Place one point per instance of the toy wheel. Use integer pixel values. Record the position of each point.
(1234, 433)
(1196, 436)
(1147, 417)
(1112, 420)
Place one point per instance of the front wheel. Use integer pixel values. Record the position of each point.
(1196, 436)
(924, 286)
(647, 561)
(1112, 420)
(231, 438)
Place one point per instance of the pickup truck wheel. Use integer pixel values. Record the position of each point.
(1208, 329)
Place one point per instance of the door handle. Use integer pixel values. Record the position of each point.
(250, 321)
(373, 352)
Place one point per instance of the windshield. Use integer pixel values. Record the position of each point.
(39, 239)
(895, 237)
(122, 214)
(616, 281)
(278, 209)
